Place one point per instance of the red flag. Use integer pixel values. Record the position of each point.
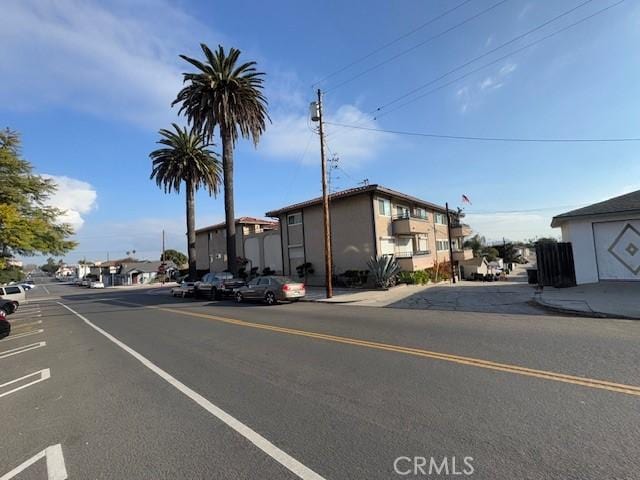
(465, 199)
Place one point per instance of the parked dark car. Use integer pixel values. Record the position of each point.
(8, 306)
(5, 326)
(271, 289)
(217, 285)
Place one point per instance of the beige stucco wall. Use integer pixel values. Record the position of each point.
(216, 246)
(352, 237)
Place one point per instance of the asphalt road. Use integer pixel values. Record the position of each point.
(145, 386)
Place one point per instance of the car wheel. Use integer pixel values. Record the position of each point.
(14, 307)
(196, 292)
(217, 294)
(239, 297)
(270, 298)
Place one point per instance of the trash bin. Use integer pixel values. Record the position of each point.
(532, 276)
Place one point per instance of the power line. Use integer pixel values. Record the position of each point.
(482, 67)
(489, 139)
(418, 45)
(392, 42)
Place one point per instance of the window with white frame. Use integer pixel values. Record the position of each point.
(387, 246)
(294, 219)
(420, 212)
(422, 243)
(441, 218)
(384, 207)
(404, 246)
(442, 245)
(402, 212)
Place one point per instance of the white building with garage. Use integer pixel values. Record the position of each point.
(605, 238)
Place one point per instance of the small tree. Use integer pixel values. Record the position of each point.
(475, 243)
(178, 258)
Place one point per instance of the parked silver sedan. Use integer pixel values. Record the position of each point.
(271, 289)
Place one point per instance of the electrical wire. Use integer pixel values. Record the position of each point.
(490, 139)
(388, 44)
(482, 67)
(418, 45)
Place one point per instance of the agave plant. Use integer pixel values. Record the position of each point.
(384, 270)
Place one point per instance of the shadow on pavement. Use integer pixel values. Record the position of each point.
(505, 298)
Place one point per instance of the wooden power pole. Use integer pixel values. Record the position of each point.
(325, 206)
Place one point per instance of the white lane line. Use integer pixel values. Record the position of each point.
(254, 437)
(56, 469)
(46, 290)
(22, 349)
(21, 325)
(21, 335)
(44, 375)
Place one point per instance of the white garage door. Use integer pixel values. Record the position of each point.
(618, 250)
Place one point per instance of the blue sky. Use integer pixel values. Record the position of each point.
(89, 83)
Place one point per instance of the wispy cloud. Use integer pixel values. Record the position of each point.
(119, 63)
(75, 197)
(289, 137)
(472, 95)
(525, 11)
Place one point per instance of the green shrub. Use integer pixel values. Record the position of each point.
(406, 277)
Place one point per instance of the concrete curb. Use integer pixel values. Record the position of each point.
(579, 313)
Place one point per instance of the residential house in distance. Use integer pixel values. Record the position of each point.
(257, 240)
(367, 222)
(605, 239)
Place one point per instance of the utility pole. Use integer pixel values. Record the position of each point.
(316, 116)
(453, 273)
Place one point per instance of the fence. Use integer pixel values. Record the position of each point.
(555, 265)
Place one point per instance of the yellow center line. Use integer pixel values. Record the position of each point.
(470, 361)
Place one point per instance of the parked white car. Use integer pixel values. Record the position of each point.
(96, 284)
(13, 292)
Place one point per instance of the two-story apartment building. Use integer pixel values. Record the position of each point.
(257, 240)
(366, 222)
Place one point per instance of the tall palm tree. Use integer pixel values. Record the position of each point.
(186, 158)
(226, 94)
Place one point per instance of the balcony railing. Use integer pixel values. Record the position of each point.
(407, 215)
(406, 224)
(412, 254)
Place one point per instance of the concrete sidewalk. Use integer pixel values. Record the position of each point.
(604, 299)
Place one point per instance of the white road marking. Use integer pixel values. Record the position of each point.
(44, 375)
(21, 335)
(56, 469)
(20, 325)
(22, 349)
(46, 290)
(254, 437)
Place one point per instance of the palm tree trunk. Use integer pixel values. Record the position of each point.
(191, 230)
(229, 213)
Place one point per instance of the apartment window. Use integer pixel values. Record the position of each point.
(404, 245)
(422, 243)
(384, 207)
(294, 219)
(402, 212)
(420, 213)
(387, 246)
(441, 218)
(442, 245)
